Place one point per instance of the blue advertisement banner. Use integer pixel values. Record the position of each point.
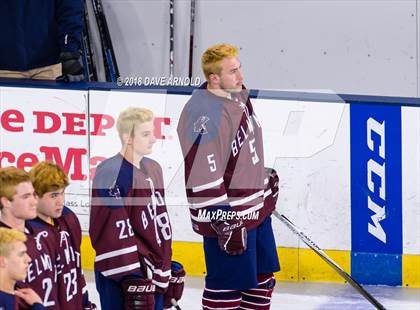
(376, 188)
(376, 198)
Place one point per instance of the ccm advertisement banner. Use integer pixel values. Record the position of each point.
(376, 193)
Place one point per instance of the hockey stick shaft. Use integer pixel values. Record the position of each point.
(171, 38)
(328, 260)
(192, 24)
(106, 42)
(175, 304)
(88, 51)
(86, 69)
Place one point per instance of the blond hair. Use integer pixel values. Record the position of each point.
(47, 176)
(10, 177)
(129, 118)
(213, 57)
(7, 238)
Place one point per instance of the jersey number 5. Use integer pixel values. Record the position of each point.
(212, 162)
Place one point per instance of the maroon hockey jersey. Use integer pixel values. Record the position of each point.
(42, 247)
(129, 223)
(72, 289)
(221, 140)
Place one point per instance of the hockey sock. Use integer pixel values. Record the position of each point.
(260, 297)
(217, 299)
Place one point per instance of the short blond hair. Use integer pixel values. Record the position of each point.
(129, 118)
(214, 55)
(7, 238)
(10, 177)
(47, 176)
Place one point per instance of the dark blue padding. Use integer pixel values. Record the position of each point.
(376, 269)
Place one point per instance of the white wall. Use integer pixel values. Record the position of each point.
(348, 46)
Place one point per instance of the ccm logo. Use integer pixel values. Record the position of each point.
(376, 177)
(141, 288)
(177, 280)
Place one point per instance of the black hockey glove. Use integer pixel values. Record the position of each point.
(231, 236)
(273, 183)
(87, 305)
(176, 284)
(90, 306)
(139, 294)
(72, 67)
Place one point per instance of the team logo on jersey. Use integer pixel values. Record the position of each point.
(38, 239)
(114, 191)
(200, 125)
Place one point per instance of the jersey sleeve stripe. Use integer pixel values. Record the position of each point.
(157, 271)
(209, 185)
(123, 269)
(250, 210)
(246, 199)
(209, 202)
(116, 253)
(161, 284)
(268, 193)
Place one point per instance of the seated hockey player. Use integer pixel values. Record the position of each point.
(129, 223)
(230, 192)
(18, 205)
(14, 262)
(61, 224)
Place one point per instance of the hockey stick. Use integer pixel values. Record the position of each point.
(192, 25)
(106, 42)
(328, 260)
(175, 304)
(90, 69)
(171, 38)
(85, 56)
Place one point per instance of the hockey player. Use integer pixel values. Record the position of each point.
(231, 194)
(18, 205)
(14, 262)
(129, 224)
(61, 224)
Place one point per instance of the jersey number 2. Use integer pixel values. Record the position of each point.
(47, 286)
(125, 228)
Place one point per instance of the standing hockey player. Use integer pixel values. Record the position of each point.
(230, 193)
(14, 262)
(61, 224)
(18, 203)
(129, 224)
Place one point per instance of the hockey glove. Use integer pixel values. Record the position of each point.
(176, 284)
(273, 182)
(231, 236)
(138, 294)
(87, 305)
(72, 67)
